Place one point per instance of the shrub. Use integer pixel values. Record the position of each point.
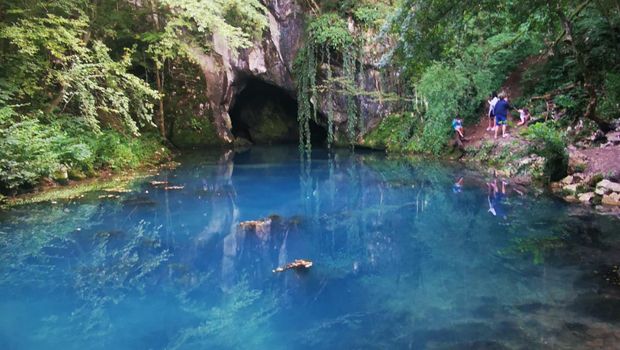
(393, 133)
(446, 91)
(26, 154)
(548, 143)
(31, 150)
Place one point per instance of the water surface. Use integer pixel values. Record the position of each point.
(405, 256)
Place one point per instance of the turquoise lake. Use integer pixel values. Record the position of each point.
(406, 256)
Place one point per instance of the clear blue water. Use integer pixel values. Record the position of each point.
(403, 259)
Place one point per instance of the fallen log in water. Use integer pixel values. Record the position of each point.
(299, 264)
(167, 188)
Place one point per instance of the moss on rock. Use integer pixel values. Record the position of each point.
(194, 131)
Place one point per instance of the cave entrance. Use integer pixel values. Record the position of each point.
(266, 114)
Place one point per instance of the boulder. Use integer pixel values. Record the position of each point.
(76, 174)
(241, 142)
(580, 178)
(572, 189)
(606, 186)
(571, 199)
(587, 197)
(613, 137)
(569, 180)
(611, 199)
(61, 175)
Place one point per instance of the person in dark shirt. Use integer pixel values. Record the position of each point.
(502, 107)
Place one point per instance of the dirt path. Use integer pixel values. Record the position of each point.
(604, 161)
(512, 85)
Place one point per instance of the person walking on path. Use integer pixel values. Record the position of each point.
(502, 107)
(491, 114)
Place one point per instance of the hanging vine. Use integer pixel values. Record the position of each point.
(329, 98)
(328, 36)
(349, 68)
(305, 67)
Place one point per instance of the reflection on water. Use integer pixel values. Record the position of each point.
(407, 254)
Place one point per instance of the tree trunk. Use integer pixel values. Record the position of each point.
(584, 75)
(160, 88)
(55, 101)
(161, 123)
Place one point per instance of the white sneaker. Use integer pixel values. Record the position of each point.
(489, 129)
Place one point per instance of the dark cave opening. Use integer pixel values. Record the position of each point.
(266, 114)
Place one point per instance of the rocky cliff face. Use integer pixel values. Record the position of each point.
(226, 73)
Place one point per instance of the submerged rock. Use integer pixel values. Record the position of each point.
(158, 183)
(168, 188)
(262, 228)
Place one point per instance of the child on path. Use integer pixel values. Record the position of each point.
(457, 125)
(492, 102)
(524, 115)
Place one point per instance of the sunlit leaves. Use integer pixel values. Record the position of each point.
(235, 20)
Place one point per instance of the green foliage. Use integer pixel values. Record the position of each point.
(26, 154)
(443, 90)
(75, 88)
(31, 150)
(457, 54)
(329, 43)
(101, 87)
(305, 71)
(331, 31)
(609, 105)
(549, 143)
(393, 133)
(371, 15)
(238, 21)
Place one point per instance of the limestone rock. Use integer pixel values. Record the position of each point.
(241, 142)
(270, 59)
(61, 174)
(571, 199)
(569, 180)
(586, 197)
(606, 186)
(611, 199)
(571, 188)
(580, 178)
(613, 137)
(556, 186)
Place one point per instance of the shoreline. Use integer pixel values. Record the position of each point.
(106, 181)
